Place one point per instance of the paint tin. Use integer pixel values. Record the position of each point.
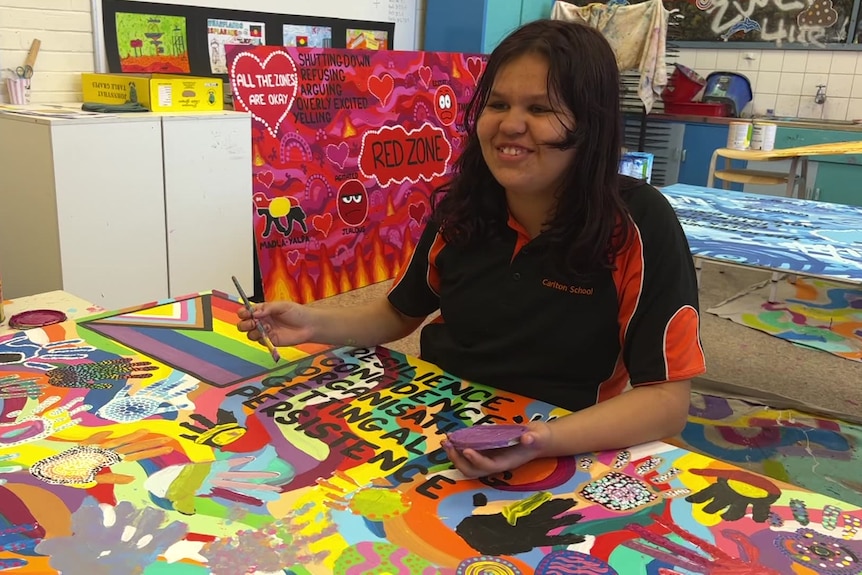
(763, 136)
(739, 135)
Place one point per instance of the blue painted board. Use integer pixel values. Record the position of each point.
(785, 234)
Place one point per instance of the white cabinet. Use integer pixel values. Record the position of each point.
(125, 209)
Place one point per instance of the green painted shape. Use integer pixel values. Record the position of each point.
(165, 568)
(101, 342)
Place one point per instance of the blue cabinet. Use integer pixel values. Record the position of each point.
(477, 26)
(698, 144)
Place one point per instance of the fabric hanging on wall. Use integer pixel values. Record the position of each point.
(637, 33)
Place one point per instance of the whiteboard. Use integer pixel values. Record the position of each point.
(406, 14)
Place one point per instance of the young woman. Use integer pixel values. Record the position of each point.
(555, 278)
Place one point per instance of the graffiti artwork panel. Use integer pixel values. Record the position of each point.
(348, 146)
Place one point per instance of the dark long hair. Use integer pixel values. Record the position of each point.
(590, 223)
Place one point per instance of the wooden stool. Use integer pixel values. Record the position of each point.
(796, 184)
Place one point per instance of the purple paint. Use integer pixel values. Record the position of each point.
(36, 318)
(483, 437)
(166, 354)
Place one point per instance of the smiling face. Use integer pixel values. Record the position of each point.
(518, 120)
(352, 203)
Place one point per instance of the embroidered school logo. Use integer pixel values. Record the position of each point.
(572, 289)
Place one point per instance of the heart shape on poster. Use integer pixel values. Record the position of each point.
(416, 211)
(338, 154)
(425, 75)
(266, 89)
(381, 87)
(266, 178)
(456, 142)
(293, 257)
(475, 66)
(322, 223)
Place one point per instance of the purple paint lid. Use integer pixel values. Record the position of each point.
(36, 318)
(483, 437)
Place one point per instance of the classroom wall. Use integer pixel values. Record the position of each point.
(66, 30)
(786, 80)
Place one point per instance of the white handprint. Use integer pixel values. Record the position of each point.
(23, 350)
(41, 421)
(165, 396)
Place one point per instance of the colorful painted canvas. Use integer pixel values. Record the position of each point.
(821, 454)
(348, 146)
(115, 460)
(812, 312)
(301, 36)
(367, 39)
(152, 43)
(809, 237)
(231, 32)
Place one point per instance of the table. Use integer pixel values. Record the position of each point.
(782, 235)
(165, 419)
(73, 306)
(798, 157)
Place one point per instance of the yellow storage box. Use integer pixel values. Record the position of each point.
(156, 92)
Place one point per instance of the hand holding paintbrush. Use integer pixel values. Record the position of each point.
(264, 338)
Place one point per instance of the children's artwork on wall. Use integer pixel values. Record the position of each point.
(115, 460)
(231, 32)
(348, 146)
(152, 43)
(367, 39)
(300, 36)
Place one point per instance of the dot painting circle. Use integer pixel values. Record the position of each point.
(486, 565)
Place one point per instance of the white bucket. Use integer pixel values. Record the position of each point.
(763, 136)
(739, 135)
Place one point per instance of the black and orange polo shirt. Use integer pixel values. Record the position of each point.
(511, 320)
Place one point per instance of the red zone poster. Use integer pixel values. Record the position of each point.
(348, 146)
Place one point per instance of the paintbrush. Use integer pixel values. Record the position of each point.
(265, 338)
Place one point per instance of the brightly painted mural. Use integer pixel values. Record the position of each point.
(157, 440)
(348, 145)
(812, 312)
(785, 234)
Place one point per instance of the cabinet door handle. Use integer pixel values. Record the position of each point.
(682, 155)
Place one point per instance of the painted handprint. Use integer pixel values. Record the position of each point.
(22, 350)
(510, 533)
(13, 387)
(117, 541)
(219, 433)
(165, 396)
(734, 491)
(82, 464)
(100, 374)
(244, 480)
(42, 421)
(704, 557)
(20, 539)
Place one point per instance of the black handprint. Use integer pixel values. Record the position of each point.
(224, 431)
(756, 491)
(497, 535)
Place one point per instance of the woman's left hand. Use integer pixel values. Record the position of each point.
(473, 464)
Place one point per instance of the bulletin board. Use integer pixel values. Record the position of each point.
(154, 37)
(188, 31)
